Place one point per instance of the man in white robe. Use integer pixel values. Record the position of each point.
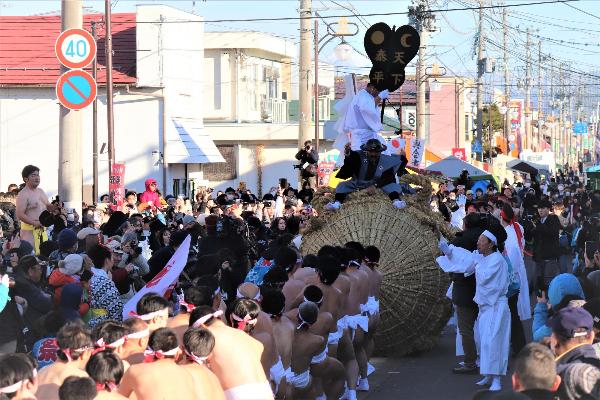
(491, 273)
(360, 118)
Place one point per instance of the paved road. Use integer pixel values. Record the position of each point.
(425, 377)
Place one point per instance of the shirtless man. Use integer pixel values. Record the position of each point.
(287, 258)
(143, 380)
(251, 291)
(111, 336)
(75, 345)
(306, 346)
(372, 256)
(236, 358)
(192, 298)
(31, 201)
(137, 340)
(106, 369)
(273, 303)
(152, 309)
(243, 315)
(211, 282)
(198, 344)
(359, 322)
(328, 372)
(308, 270)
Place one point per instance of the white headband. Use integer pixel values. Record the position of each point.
(140, 334)
(202, 320)
(239, 295)
(490, 236)
(150, 316)
(16, 386)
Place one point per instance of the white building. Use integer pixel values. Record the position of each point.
(250, 107)
(158, 99)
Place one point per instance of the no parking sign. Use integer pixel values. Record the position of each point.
(75, 48)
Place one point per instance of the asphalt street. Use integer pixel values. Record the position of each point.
(427, 376)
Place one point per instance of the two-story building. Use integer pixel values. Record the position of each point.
(251, 107)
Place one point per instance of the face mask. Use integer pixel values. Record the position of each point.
(527, 184)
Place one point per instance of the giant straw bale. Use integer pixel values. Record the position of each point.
(413, 302)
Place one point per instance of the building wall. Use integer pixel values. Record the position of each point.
(29, 119)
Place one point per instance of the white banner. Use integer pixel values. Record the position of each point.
(417, 149)
(165, 278)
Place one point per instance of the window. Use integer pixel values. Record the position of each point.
(215, 172)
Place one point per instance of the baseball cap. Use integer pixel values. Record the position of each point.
(565, 322)
(114, 245)
(469, 192)
(593, 307)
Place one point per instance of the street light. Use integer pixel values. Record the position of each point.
(342, 53)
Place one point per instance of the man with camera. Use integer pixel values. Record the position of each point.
(133, 259)
(546, 248)
(308, 158)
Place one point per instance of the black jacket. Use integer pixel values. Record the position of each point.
(582, 354)
(38, 302)
(545, 239)
(311, 157)
(158, 261)
(463, 290)
(11, 322)
(351, 169)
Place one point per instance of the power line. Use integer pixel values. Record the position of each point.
(583, 11)
(311, 17)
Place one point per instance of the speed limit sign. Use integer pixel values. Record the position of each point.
(75, 48)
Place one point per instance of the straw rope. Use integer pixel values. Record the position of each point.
(414, 307)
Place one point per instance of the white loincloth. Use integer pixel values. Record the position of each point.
(319, 358)
(277, 373)
(371, 307)
(250, 391)
(299, 381)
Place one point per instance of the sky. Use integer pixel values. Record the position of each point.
(568, 35)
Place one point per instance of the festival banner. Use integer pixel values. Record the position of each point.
(116, 186)
(417, 148)
(164, 279)
(324, 173)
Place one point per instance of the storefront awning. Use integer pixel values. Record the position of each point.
(188, 142)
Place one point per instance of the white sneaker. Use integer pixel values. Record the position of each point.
(363, 385)
(333, 206)
(399, 204)
(496, 384)
(370, 369)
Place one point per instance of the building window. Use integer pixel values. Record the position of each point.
(215, 172)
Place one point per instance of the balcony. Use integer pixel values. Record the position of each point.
(275, 111)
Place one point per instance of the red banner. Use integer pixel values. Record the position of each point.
(324, 173)
(460, 153)
(116, 186)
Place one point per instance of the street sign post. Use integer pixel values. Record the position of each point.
(76, 89)
(75, 48)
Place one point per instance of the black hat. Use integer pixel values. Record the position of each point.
(373, 145)
(230, 190)
(222, 200)
(544, 204)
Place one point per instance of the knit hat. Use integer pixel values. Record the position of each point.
(85, 232)
(71, 265)
(563, 285)
(25, 249)
(67, 238)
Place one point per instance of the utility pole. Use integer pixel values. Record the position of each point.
(423, 20)
(480, 70)
(110, 122)
(561, 121)
(316, 85)
(540, 94)
(95, 123)
(69, 139)
(507, 125)
(305, 111)
(528, 93)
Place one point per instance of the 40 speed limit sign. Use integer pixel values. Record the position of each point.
(75, 48)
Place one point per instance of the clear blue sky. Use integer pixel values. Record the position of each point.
(451, 45)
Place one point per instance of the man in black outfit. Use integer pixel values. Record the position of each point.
(546, 249)
(308, 158)
(463, 292)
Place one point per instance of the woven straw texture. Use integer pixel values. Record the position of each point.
(413, 304)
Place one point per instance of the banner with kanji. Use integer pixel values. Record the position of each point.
(116, 186)
(460, 153)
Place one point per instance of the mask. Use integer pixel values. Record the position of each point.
(527, 184)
